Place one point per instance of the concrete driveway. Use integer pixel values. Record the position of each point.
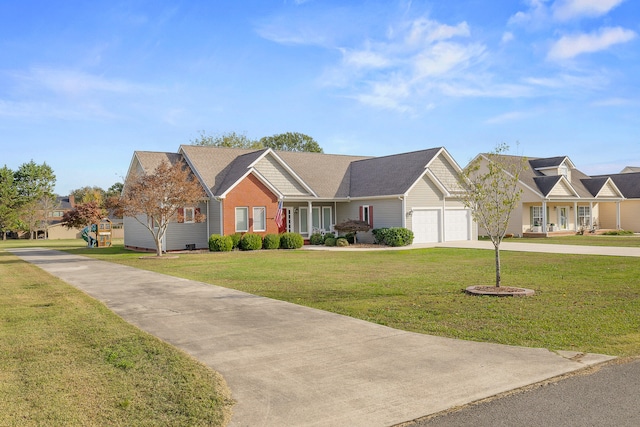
(289, 365)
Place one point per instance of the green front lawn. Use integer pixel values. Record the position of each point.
(586, 240)
(583, 303)
(65, 359)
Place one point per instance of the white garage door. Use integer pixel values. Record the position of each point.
(426, 226)
(456, 224)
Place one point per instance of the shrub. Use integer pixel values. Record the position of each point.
(327, 235)
(291, 241)
(218, 243)
(618, 233)
(316, 239)
(251, 242)
(236, 237)
(351, 237)
(271, 241)
(394, 236)
(342, 242)
(330, 241)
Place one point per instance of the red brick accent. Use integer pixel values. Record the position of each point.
(250, 192)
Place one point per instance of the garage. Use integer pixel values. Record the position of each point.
(427, 225)
(456, 224)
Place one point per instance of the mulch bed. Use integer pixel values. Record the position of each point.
(502, 291)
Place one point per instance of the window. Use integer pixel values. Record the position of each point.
(242, 219)
(366, 214)
(304, 227)
(584, 216)
(259, 219)
(189, 215)
(536, 215)
(326, 218)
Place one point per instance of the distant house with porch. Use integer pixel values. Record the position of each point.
(557, 198)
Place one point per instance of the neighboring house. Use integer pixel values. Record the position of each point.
(417, 190)
(629, 214)
(558, 198)
(630, 169)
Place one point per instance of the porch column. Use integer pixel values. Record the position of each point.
(575, 216)
(544, 216)
(309, 219)
(591, 215)
(618, 224)
(404, 211)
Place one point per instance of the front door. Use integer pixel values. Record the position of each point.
(563, 218)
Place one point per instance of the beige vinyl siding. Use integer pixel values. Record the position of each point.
(279, 177)
(630, 215)
(445, 173)
(424, 194)
(561, 189)
(607, 191)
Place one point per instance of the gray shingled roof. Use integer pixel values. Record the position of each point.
(329, 176)
(594, 185)
(389, 175)
(546, 183)
(627, 183)
(546, 162)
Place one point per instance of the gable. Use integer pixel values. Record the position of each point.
(608, 191)
(446, 173)
(562, 189)
(279, 177)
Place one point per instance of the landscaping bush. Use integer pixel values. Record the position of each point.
(236, 237)
(271, 241)
(327, 235)
(251, 242)
(394, 236)
(316, 239)
(218, 243)
(342, 242)
(618, 233)
(330, 241)
(351, 237)
(291, 241)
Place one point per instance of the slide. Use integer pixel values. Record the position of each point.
(91, 242)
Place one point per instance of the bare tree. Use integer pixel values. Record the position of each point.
(492, 192)
(154, 199)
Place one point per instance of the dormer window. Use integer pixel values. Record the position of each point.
(563, 170)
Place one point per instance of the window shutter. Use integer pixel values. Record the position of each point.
(361, 214)
(180, 214)
(370, 216)
(531, 216)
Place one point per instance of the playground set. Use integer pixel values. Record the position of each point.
(102, 231)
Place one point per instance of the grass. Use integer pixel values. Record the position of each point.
(65, 359)
(587, 240)
(582, 303)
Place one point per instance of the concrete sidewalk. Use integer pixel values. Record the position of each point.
(289, 365)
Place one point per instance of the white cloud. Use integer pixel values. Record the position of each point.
(568, 47)
(537, 13)
(564, 10)
(507, 36)
(507, 117)
(427, 31)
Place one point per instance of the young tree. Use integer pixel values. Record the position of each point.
(492, 192)
(82, 215)
(154, 199)
(46, 205)
(8, 202)
(291, 141)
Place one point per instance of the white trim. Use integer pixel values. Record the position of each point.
(264, 218)
(246, 209)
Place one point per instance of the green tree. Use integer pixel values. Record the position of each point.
(8, 202)
(33, 182)
(229, 139)
(291, 141)
(88, 194)
(492, 193)
(115, 189)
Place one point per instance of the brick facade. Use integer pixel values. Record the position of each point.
(250, 193)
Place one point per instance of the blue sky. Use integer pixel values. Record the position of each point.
(84, 84)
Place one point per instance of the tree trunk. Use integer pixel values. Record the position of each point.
(498, 277)
(158, 245)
